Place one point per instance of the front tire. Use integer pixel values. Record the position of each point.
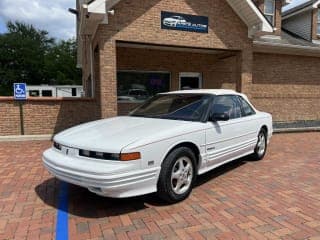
(177, 176)
(261, 147)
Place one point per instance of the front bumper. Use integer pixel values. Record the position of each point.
(105, 178)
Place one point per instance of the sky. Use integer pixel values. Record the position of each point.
(50, 15)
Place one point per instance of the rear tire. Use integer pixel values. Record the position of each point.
(177, 175)
(261, 147)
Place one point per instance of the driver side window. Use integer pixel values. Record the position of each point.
(226, 104)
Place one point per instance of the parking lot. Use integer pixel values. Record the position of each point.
(278, 197)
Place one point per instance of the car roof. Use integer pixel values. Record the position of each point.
(207, 91)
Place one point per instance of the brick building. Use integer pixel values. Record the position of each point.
(131, 50)
(128, 52)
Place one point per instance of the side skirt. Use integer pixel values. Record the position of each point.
(207, 169)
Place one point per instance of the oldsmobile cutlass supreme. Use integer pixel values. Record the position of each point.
(162, 145)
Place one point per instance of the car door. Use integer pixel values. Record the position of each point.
(250, 122)
(226, 140)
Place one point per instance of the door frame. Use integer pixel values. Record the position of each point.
(191, 74)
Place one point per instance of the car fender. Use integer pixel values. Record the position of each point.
(153, 154)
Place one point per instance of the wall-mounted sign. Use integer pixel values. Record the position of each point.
(20, 91)
(184, 22)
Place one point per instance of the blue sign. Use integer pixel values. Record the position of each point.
(184, 22)
(20, 91)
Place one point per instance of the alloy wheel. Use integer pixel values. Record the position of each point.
(182, 175)
(261, 145)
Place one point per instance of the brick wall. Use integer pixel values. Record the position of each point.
(287, 86)
(140, 22)
(45, 116)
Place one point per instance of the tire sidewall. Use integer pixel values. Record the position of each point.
(256, 152)
(166, 171)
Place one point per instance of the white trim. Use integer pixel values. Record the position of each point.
(266, 26)
(251, 15)
(316, 41)
(98, 6)
(191, 74)
(280, 48)
(316, 4)
(101, 6)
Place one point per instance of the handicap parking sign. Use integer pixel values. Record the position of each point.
(20, 91)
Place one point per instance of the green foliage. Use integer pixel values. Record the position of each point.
(30, 55)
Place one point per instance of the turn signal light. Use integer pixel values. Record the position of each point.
(130, 156)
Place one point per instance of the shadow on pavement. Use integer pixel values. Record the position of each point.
(83, 203)
(206, 177)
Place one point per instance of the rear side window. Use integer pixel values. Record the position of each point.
(247, 110)
(227, 104)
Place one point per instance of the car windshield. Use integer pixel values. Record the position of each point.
(186, 107)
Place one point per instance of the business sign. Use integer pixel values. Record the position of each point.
(20, 91)
(184, 22)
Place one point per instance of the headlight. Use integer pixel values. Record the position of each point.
(99, 155)
(110, 156)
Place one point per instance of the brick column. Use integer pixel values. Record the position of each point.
(245, 62)
(107, 85)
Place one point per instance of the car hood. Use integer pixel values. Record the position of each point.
(113, 134)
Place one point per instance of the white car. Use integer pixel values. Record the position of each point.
(174, 21)
(161, 146)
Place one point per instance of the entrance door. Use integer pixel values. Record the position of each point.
(190, 80)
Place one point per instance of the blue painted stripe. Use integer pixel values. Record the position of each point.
(62, 214)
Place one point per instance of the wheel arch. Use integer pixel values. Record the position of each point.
(194, 147)
(264, 127)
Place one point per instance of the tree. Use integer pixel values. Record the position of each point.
(30, 55)
(60, 63)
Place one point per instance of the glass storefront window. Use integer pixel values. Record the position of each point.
(136, 87)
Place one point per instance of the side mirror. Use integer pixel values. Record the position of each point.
(219, 117)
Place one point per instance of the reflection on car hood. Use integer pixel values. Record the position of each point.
(112, 135)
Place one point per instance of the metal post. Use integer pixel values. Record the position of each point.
(21, 117)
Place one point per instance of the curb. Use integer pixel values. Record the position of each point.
(296, 130)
